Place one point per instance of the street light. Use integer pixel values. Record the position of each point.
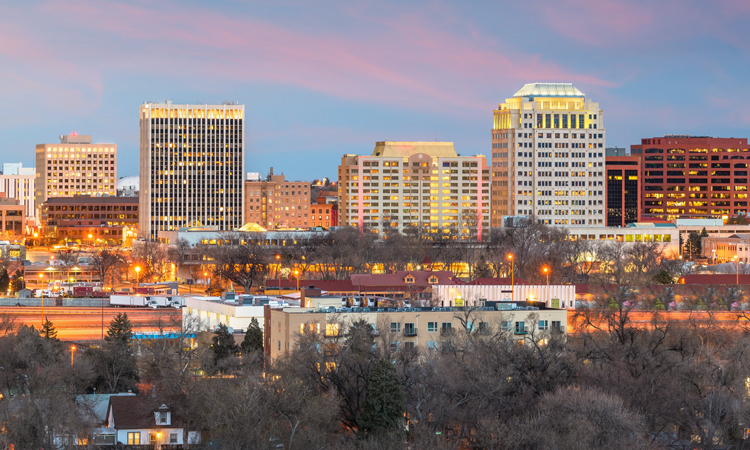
(737, 260)
(296, 274)
(137, 276)
(278, 271)
(72, 353)
(546, 272)
(510, 258)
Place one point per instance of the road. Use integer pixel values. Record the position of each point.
(85, 324)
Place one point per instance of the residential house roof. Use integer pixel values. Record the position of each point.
(137, 412)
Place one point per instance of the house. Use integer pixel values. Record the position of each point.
(139, 420)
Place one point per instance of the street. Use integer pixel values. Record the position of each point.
(85, 324)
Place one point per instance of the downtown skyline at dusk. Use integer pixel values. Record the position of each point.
(322, 80)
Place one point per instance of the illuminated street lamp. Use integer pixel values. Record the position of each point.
(137, 276)
(737, 260)
(546, 272)
(510, 258)
(278, 271)
(72, 353)
(296, 274)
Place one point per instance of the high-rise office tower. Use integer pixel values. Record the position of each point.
(191, 167)
(623, 190)
(548, 144)
(693, 177)
(75, 166)
(422, 186)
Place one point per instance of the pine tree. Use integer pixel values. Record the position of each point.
(253, 338)
(384, 406)
(48, 330)
(4, 280)
(120, 330)
(224, 345)
(16, 282)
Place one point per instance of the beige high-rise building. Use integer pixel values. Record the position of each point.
(425, 186)
(548, 145)
(75, 166)
(276, 203)
(191, 167)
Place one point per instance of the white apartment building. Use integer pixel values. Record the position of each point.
(18, 182)
(422, 185)
(191, 167)
(548, 146)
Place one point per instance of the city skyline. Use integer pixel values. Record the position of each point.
(367, 72)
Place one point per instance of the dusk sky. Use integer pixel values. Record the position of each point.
(324, 78)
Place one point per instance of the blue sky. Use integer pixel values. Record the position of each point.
(320, 79)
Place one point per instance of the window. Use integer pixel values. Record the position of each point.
(505, 325)
(410, 329)
(134, 438)
(152, 438)
(445, 328)
(432, 345)
(520, 327)
(395, 345)
(395, 327)
(432, 327)
(543, 325)
(332, 329)
(172, 438)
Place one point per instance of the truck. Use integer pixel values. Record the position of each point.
(88, 292)
(129, 300)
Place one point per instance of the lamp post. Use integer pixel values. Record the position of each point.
(546, 272)
(296, 275)
(510, 258)
(91, 240)
(137, 276)
(72, 353)
(737, 260)
(278, 272)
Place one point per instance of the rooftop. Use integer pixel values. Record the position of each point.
(548, 90)
(403, 149)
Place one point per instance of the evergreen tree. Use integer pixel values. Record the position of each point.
(663, 277)
(120, 330)
(253, 338)
(224, 345)
(4, 280)
(115, 362)
(384, 406)
(48, 330)
(16, 282)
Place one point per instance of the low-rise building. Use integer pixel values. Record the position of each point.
(403, 328)
(720, 249)
(13, 224)
(90, 220)
(213, 311)
(138, 421)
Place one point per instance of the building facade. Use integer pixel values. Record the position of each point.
(422, 328)
(19, 182)
(90, 220)
(693, 177)
(75, 166)
(276, 203)
(191, 166)
(422, 186)
(13, 224)
(623, 190)
(324, 214)
(548, 144)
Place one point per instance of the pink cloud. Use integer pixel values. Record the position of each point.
(406, 61)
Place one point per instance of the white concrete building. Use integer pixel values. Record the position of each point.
(191, 167)
(19, 182)
(548, 147)
(213, 311)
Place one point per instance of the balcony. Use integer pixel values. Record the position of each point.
(446, 331)
(410, 332)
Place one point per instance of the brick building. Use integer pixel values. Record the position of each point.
(12, 218)
(276, 203)
(693, 177)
